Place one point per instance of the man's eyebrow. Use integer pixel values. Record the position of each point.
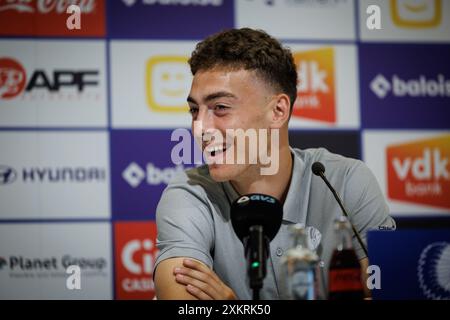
(213, 96)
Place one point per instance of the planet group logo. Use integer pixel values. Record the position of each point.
(12, 78)
(418, 172)
(416, 13)
(135, 253)
(316, 97)
(168, 81)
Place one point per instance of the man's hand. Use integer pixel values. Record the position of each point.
(202, 282)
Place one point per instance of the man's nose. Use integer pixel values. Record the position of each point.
(204, 124)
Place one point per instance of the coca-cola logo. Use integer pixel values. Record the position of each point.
(12, 78)
(46, 6)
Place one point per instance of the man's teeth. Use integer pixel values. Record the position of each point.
(215, 149)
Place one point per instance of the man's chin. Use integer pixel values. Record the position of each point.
(221, 172)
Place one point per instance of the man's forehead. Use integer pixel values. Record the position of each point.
(240, 83)
(225, 77)
(223, 72)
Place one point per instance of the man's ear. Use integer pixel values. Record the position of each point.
(280, 111)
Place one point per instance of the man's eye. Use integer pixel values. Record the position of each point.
(193, 110)
(221, 107)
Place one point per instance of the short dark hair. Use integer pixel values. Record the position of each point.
(250, 50)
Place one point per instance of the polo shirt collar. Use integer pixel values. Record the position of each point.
(293, 210)
(295, 204)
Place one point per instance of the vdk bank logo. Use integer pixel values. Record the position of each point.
(316, 98)
(168, 81)
(135, 254)
(419, 172)
(416, 13)
(418, 87)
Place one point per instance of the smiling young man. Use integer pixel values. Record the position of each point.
(245, 80)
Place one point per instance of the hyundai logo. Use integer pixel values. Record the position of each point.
(7, 175)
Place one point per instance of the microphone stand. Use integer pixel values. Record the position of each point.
(339, 201)
(257, 249)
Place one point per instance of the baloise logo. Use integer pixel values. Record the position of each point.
(134, 174)
(417, 87)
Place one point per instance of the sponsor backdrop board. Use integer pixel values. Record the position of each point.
(87, 120)
(53, 83)
(408, 21)
(35, 256)
(57, 175)
(412, 169)
(150, 82)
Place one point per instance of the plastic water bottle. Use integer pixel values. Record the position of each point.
(301, 269)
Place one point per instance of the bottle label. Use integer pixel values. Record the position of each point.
(345, 280)
(302, 285)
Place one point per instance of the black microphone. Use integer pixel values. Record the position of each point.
(319, 170)
(256, 219)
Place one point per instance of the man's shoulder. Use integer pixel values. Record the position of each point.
(334, 163)
(196, 180)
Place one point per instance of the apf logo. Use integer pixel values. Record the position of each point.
(12, 78)
(168, 81)
(416, 13)
(3, 262)
(135, 257)
(316, 85)
(418, 172)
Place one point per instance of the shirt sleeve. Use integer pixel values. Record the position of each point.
(185, 225)
(366, 203)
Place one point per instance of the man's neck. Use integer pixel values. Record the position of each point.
(276, 185)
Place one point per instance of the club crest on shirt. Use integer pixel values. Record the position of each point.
(314, 237)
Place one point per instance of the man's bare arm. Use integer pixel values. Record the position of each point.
(364, 265)
(187, 278)
(167, 288)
